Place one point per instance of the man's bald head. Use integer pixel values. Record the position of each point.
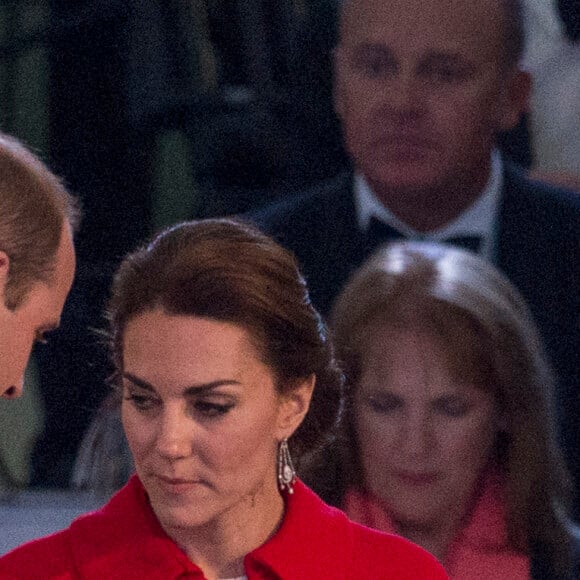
(513, 22)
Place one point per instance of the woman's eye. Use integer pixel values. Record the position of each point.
(374, 67)
(211, 409)
(384, 405)
(445, 75)
(452, 407)
(141, 402)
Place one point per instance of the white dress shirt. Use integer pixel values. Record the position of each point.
(479, 219)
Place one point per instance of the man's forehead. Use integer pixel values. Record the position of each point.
(449, 25)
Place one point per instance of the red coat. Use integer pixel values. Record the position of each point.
(124, 540)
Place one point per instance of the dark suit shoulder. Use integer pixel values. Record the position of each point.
(539, 243)
(307, 208)
(320, 227)
(539, 231)
(546, 204)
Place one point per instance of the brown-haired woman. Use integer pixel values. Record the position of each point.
(225, 370)
(449, 430)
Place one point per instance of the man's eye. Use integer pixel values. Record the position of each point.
(41, 337)
(446, 74)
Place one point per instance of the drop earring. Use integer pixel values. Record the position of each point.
(286, 472)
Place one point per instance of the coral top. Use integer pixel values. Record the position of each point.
(479, 552)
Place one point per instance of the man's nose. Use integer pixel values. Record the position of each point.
(13, 391)
(404, 95)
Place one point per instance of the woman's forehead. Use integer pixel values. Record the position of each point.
(454, 348)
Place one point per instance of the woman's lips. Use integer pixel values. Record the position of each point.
(177, 485)
(416, 478)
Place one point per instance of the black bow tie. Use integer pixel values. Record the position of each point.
(379, 233)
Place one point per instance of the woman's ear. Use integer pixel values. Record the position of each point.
(4, 271)
(293, 407)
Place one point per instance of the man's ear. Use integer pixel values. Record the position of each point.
(515, 99)
(337, 82)
(294, 406)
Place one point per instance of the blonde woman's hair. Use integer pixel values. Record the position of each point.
(487, 331)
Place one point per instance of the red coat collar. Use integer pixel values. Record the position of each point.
(313, 541)
(125, 536)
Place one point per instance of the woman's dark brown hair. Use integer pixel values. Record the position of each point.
(225, 270)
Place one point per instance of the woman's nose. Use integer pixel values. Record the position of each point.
(174, 436)
(416, 436)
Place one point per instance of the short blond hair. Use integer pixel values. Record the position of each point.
(34, 206)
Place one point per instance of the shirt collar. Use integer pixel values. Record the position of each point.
(478, 219)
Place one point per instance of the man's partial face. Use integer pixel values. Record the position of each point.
(421, 89)
(39, 313)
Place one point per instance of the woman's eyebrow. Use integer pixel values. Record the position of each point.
(190, 390)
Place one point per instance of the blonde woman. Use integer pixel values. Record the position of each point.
(450, 435)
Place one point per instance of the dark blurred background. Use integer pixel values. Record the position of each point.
(152, 112)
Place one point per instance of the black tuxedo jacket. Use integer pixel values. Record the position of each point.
(538, 248)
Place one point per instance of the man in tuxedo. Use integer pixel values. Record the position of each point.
(422, 88)
(37, 257)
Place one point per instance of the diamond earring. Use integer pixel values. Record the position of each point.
(286, 472)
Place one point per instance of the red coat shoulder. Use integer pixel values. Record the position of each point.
(48, 557)
(319, 541)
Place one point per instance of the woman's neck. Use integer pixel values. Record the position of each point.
(219, 546)
(436, 539)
